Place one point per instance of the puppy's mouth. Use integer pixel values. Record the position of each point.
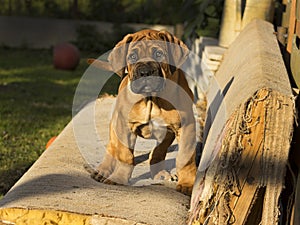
(147, 78)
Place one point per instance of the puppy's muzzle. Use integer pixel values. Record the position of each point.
(147, 78)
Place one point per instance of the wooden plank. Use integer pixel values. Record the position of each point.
(284, 2)
(298, 28)
(292, 23)
(286, 16)
(298, 10)
(294, 63)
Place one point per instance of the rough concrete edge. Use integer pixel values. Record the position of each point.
(36, 216)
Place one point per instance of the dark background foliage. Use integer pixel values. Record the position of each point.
(196, 15)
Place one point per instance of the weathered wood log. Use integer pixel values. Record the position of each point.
(249, 128)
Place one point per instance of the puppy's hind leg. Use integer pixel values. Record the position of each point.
(186, 159)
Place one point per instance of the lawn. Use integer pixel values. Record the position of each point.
(35, 105)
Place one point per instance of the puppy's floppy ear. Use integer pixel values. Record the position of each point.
(177, 50)
(117, 57)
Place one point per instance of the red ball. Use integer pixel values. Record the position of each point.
(66, 56)
(50, 141)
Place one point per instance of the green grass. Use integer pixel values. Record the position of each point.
(35, 105)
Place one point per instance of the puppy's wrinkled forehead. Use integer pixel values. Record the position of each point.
(146, 48)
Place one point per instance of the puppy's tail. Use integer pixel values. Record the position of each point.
(104, 65)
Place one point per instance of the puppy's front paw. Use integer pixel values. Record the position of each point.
(166, 176)
(101, 175)
(187, 190)
(106, 178)
(119, 174)
(163, 175)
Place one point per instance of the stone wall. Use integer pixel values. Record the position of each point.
(46, 32)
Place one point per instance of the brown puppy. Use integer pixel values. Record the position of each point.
(154, 101)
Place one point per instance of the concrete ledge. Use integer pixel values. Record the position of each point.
(38, 217)
(57, 187)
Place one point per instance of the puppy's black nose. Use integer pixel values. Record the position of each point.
(144, 71)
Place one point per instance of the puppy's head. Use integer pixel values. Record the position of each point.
(147, 65)
(149, 57)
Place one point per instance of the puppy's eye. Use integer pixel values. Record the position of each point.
(133, 57)
(158, 55)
